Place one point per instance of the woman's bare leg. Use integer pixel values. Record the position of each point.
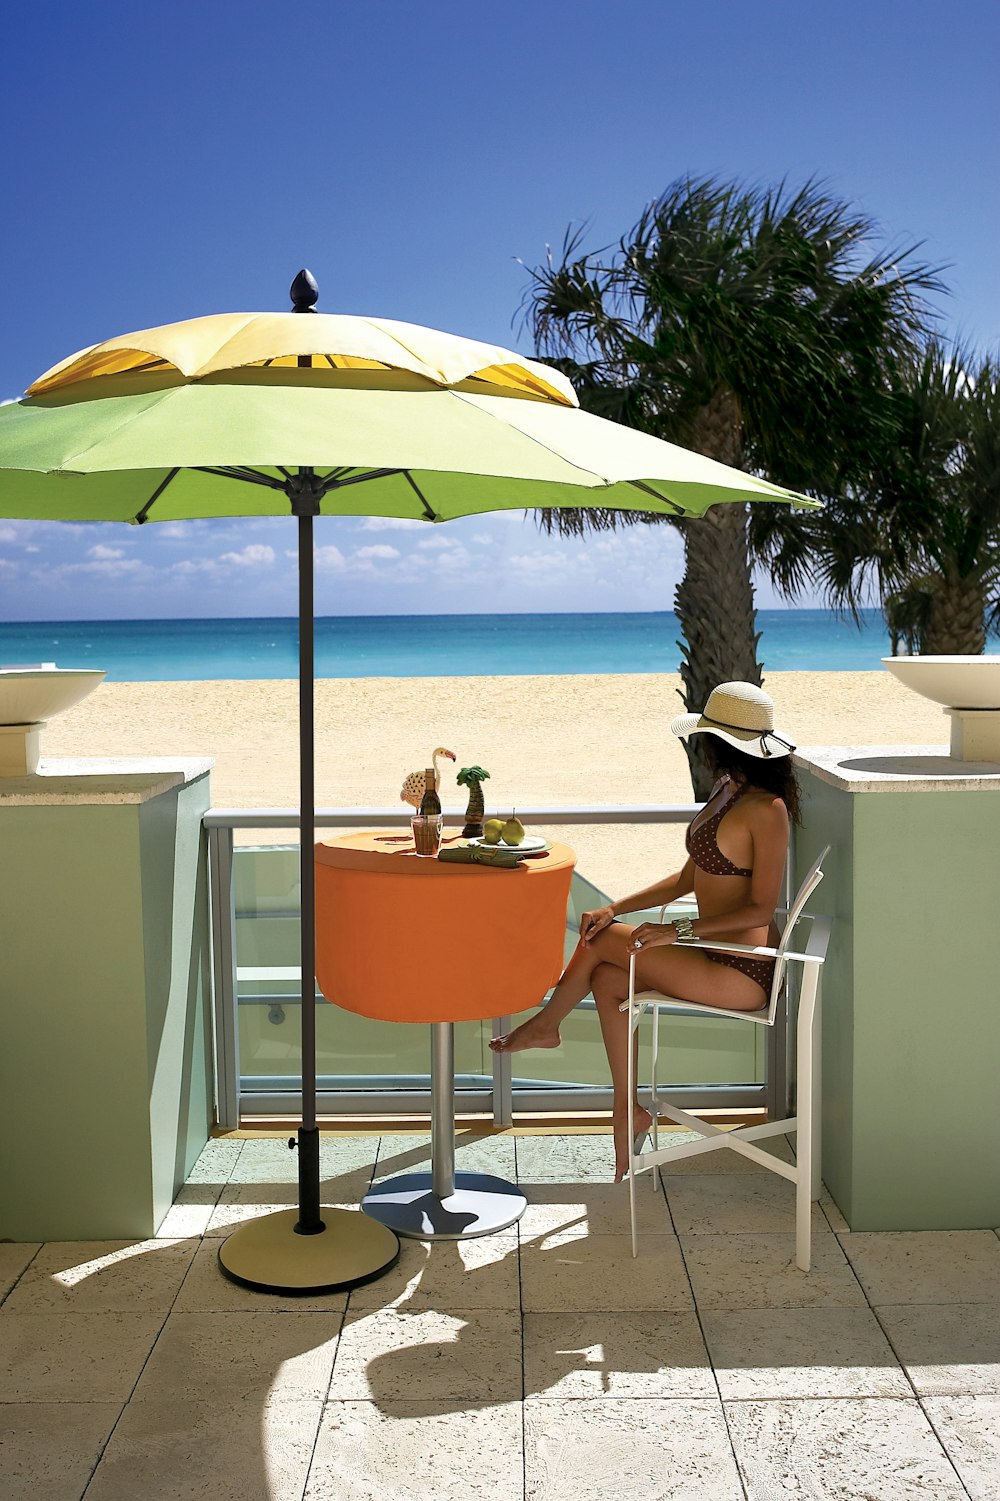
(629, 1118)
(542, 1029)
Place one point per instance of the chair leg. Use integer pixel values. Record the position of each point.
(630, 1076)
(654, 1055)
(816, 1074)
(806, 1181)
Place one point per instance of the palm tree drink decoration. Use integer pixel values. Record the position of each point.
(473, 777)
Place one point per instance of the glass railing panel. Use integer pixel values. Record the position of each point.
(352, 1052)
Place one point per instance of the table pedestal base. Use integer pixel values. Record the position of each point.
(443, 1204)
(479, 1205)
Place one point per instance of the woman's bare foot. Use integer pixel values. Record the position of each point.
(534, 1033)
(641, 1122)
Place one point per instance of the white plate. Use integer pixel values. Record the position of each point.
(528, 843)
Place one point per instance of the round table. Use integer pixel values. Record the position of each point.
(403, 938)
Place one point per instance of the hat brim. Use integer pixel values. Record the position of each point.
(764, 744)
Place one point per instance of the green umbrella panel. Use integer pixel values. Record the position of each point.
(180, 450)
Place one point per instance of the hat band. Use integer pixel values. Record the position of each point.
(723, 725)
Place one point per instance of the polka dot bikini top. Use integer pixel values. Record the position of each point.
(703, 847)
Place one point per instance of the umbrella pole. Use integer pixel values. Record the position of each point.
(300, 1251)
(309, 1221)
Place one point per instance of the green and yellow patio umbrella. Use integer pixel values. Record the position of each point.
(275, 414)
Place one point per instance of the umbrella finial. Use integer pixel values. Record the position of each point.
(304, 292)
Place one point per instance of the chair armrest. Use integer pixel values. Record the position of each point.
(758, 951)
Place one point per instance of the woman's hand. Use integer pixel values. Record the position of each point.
(651, 935)
(592, 923)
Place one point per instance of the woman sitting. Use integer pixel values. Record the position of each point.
(736, 846)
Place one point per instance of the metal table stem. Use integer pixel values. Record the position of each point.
(443, 1204)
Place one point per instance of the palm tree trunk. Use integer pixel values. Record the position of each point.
(957, 624)
(475, 812)
(714, 602)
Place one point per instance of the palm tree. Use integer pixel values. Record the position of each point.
(473, 777)
(923, 532)
(950, 588)
(746, 324)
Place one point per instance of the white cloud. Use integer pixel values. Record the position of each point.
(390, 524)
(104, 554)
(329, 559)
(379, 550)
(455, 560)
(254, 555)
(535, 565)
(7, 534)
(436, 541)
(106, 568)
(195, 565)
(176, 530)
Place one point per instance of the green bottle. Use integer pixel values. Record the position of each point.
(430, 803)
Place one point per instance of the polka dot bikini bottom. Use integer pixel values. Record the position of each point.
(761, 971)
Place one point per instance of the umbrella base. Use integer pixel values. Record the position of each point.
(479, 1205)
(267, 1255)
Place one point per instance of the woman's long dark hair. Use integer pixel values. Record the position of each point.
(774, 774)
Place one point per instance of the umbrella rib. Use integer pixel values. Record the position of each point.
(331, 480)
(431, 514)
(235, 472)
(359, 479)
(637, 484)
(144, 512)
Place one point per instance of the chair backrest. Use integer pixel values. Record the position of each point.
(810, 881)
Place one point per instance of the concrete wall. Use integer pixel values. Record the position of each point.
(911, 1003)
(105, 1077)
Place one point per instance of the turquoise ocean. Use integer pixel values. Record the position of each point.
(426, 645)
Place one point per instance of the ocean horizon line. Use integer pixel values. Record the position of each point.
(486, 644)
(119, 620)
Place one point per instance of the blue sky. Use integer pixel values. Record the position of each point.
(166, 160)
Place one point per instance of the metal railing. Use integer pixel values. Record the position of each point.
(220, 824)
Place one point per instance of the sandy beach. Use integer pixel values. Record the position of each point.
(544, 740)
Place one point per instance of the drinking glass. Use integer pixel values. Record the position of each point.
(427, 833)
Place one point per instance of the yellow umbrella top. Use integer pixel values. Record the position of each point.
(232, 341)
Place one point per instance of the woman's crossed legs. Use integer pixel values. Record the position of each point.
(600, 968)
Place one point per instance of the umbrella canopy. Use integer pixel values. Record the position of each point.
(159, 448)
(235, 341)
(270, 414)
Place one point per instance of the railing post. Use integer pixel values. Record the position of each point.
(227, 1065)
(503, 1078)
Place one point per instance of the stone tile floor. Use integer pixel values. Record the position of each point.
(536, 1365)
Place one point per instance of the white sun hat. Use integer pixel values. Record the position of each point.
(742, 715)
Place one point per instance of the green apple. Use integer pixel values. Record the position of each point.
(492, 830)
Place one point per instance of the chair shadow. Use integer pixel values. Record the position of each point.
(480, 1302)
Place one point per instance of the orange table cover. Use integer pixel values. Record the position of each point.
(406, 939)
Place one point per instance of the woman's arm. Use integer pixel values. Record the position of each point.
(669, 890)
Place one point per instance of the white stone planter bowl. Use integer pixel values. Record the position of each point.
(31, 695)
(955, 682)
